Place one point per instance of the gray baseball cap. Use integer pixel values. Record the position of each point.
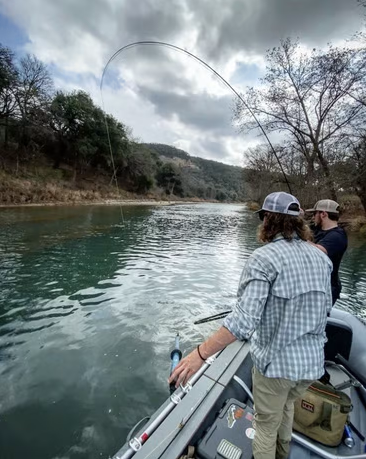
(280, 202)
(325, 205)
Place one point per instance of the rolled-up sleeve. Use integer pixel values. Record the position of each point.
(253, 292)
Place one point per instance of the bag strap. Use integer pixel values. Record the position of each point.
(190, 453)
(324, 420)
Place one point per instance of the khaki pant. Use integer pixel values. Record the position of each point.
(273, 414)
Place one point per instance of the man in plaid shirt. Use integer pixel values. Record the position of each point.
(284, 296)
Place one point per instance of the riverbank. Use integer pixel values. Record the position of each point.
(116, 202)
(46, 190)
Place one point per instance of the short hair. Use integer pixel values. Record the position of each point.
(333, 216)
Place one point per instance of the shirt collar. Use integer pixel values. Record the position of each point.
(279, 236)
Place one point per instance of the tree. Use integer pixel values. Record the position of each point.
(221, 195)
(116, 139)
(264, 171)
(169, 178)
(307, 97)
(82, 137)
(354, 170)
(70, 114)
(32, 94)
(139, 167)
(8, 82)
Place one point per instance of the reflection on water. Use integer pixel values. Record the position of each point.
(89, 309)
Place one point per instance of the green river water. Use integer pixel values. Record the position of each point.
(89, 308)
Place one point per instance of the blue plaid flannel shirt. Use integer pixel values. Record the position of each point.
(283, 298)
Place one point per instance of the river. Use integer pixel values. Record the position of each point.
(89, 308)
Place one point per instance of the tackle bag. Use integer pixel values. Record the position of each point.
(321, 413)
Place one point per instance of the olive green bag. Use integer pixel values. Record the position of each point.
(321, 413)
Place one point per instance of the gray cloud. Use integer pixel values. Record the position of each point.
(214, 149)
(255, 26)
(64, 26)
(222, 27)
(78, 37)
(202, 112)
(152, 66)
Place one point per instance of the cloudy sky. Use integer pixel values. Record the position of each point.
(163, 95)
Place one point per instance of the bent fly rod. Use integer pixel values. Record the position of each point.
(136, 443)
(206, 66)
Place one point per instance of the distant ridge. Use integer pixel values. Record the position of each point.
(203, 178)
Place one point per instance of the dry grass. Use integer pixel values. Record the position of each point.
(351, 205)
(48, 186)
(34, 190)
(355, 223)
(252, 205)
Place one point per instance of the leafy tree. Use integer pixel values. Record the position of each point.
(221, 195)
(169, 178)
(139, 167)
(115, 139)
(81, 132)
(70, 119)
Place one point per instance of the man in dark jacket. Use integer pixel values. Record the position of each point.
(330, 238)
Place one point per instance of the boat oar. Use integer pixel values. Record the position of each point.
(221, 315)
(175, 357)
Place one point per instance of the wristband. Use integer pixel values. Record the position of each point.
(198, 350)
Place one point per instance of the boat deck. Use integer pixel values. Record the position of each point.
(357, 417)
(197, 411)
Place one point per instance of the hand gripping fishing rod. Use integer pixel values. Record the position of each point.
(200, 61)
(136, 443)
(175, 357)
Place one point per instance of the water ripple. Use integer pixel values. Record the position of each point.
(89, 308)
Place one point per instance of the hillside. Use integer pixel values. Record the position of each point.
(153, 171)
(54, 147)
(200, 177)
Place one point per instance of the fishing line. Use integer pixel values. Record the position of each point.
(111, 153)
(205, 65)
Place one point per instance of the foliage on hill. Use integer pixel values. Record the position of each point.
(203, 178)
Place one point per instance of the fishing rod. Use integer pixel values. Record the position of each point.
(175, 357)
(223, 80)
(136, 443)
(221, 315)
(207, 66)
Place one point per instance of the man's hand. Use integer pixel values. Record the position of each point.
(186, 368)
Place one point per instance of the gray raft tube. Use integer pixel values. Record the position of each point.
(357, 358)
